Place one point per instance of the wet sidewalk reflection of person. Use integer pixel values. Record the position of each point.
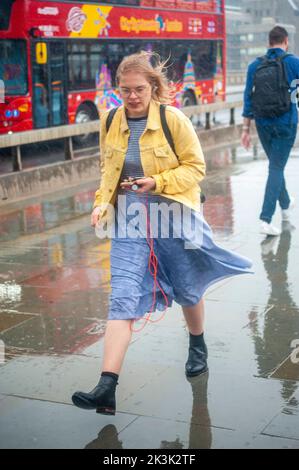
(281, 322)
(200, 432)
(200, 435)
(107, 439)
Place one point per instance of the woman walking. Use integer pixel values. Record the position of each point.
(149, 271)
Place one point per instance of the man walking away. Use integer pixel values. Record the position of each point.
(270, 99)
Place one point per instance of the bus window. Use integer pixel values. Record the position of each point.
(177, 59)
(204, 58)
(165, 3)
(41, 105)
(116, 51)
(57, 74)
(13, 67)
(115, 54)
(5, 12)
(84, 60)
(117, 2)
(40, 95)
(97, 57)
(48, 82)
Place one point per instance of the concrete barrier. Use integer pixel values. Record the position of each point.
(47, 178)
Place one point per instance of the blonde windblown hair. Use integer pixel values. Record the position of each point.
(140, 62)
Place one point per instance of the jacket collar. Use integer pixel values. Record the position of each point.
(275, 51)
(153, 119)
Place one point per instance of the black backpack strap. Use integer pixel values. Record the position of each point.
(283, 56)
(165, 128)
(263, 58)
(110, 118)
(169, 138)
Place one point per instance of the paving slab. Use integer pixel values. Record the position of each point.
(35, 424)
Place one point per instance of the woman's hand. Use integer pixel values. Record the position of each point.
(145, 185)
(95, 216)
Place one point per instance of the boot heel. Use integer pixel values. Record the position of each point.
(101, 398)
(105, 411)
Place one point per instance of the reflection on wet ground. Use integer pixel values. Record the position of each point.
(54, 287)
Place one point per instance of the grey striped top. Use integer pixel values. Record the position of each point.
(132, 165)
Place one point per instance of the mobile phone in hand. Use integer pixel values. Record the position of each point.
(131, 181)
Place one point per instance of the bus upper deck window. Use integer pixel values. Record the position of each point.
(5, 13)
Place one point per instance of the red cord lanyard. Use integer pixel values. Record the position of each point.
(153, 269)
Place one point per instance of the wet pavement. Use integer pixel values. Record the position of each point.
(54, 287)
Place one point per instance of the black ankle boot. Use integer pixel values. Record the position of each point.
(198, 355)
(101, 398)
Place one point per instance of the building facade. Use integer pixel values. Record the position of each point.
(248, 26)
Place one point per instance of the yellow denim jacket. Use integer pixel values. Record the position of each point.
(176, 178)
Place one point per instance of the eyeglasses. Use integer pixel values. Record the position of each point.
(139, 91)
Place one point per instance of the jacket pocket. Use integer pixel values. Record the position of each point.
(162, 152)
(164, 158)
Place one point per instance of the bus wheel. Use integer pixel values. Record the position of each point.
(84, 114)
(188, 99)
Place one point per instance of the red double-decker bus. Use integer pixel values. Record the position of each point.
(58, 58)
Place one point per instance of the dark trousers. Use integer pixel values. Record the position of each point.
(277, 141)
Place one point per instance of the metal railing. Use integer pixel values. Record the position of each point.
(208, 109)
(236, 78)
(67, 132)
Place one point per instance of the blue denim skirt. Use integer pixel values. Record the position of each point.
(189, 261)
